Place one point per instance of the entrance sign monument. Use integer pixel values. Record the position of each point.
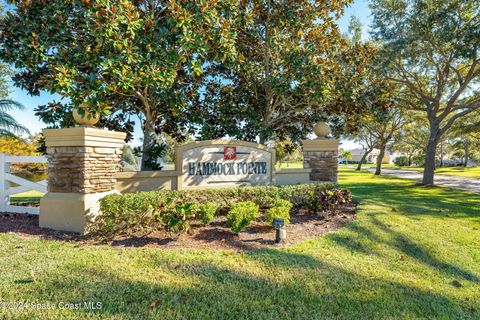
(84, 166)
(221, 163)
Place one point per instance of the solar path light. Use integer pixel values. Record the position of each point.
(280, 232)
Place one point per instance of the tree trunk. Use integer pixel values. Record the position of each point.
(429, 170)
(410, 159)
(465, 147)
(262, 138)
(381, 154)
(267, 113)
(149, 140)
(364, 157)
(441, 154)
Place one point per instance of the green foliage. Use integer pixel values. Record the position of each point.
(9, 127)
(431, 48)
(401, 161)
(130, 214)
(145, 212)
(355, 29)
(207, 211)
(115, 55)
(154, 154)
(241, 214)
(281, 209)
(419, 159)
(346, 154)
(326, 199)
(284, 72)
(283, 203)
(177, 218)
(283, 149)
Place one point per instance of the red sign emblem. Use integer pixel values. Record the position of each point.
(229, 153)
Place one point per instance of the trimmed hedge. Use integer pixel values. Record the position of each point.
(145, 212)
(281, 209)
(241, 214)
(207, 211)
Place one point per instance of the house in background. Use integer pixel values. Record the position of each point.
(357, 155)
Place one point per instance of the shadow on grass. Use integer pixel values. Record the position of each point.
(399, 242)
(417, 200)
(416, 251)
(304, 288)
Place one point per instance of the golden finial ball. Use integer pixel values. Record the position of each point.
(87, 120)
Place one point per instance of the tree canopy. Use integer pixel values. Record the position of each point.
(432, 49)
(116, 54)
(290, 57)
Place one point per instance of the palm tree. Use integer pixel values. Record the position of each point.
(9, 127)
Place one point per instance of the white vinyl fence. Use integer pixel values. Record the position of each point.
(23, 185)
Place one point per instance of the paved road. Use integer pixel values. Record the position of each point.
(469, 184)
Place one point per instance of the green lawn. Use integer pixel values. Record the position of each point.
(286, 165)
(29, 196)
(413, 252)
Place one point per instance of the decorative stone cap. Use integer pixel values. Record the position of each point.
(321, 130)
(320, 145)
(83, 137)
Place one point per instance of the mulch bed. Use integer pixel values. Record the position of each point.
(214, 236)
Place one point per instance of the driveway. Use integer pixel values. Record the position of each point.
(468, 184)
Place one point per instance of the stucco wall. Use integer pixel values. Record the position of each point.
(128, 182)
(292, 176)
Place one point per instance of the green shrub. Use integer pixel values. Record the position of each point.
(177, 218)
(281, 209)
(321, 198)
(207, 211)
(145, 212)
(241, 214)
(401, 161)
(135, 213)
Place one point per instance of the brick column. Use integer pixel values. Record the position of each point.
(321, 156)
(82, 162)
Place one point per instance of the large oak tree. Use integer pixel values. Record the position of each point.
(290, 66)
(118, 54)
(433, 49)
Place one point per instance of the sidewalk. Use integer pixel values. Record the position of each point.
(468, 184)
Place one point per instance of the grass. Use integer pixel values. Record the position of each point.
(286, 165)
(412, 253)
(29, 196)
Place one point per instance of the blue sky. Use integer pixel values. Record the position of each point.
(359, 8)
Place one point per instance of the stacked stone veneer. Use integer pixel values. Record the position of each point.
(82, 169)
(321, 156)
(324, 165)
(82, 163)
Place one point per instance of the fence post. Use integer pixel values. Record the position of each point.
(3, 194)
(4, 184)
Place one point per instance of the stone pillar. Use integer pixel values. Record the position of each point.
(321, 156)
(82, 162)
